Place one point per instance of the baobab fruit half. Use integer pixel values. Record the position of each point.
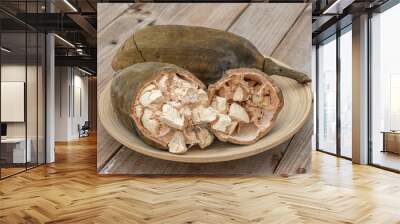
(169, 107)
(248, 103)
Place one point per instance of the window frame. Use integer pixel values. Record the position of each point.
(337, 35)
(381, 9)
(31, 30)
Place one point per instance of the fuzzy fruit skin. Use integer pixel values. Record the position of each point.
(205, 52)
(127, 84)
(234, 72)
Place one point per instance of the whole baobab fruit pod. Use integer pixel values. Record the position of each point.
(205, 52)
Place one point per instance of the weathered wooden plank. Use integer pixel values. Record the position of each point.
(112, 37)
(138, 16)
(107, 12)
(127, 161)
(106, 145)
(217, 16)
(266, 24)
(294, 49)
(297, 153)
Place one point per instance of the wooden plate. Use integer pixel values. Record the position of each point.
(298, 106)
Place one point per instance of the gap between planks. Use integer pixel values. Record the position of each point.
(105, 163)
(290, 29)
(116, 17)
(237, 17)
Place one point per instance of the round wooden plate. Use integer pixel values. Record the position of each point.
(298, 106)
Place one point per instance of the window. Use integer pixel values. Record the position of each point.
(327, 96)
(334, 73)
(22, 77)
(385, 89)
(314, 90)
(346, 92)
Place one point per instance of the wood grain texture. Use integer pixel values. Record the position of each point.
(298, 153)
(70, 191)
(92, 99)
(110, 12)
(268, 26)
(265, 25)
(294, 51)
(294, 48)
(139, 164)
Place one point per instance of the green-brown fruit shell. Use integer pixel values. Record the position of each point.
(205, 52)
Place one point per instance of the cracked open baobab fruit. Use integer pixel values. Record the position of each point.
(248, 103)
(205, 52)
(167, 104)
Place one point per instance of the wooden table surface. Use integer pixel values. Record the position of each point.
(282, 31)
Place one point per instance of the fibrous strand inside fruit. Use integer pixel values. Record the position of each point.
(174, 109)
(246, 104)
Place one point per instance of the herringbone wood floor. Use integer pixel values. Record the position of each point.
(70, 191)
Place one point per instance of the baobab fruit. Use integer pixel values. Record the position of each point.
(248, 103)
(167, 104)
(205, 52)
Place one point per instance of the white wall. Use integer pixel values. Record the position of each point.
(71, 94)
(16, 73)
(81, 82)
(13, 72)
(62, 81)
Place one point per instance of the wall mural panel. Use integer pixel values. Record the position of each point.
(241, 36)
